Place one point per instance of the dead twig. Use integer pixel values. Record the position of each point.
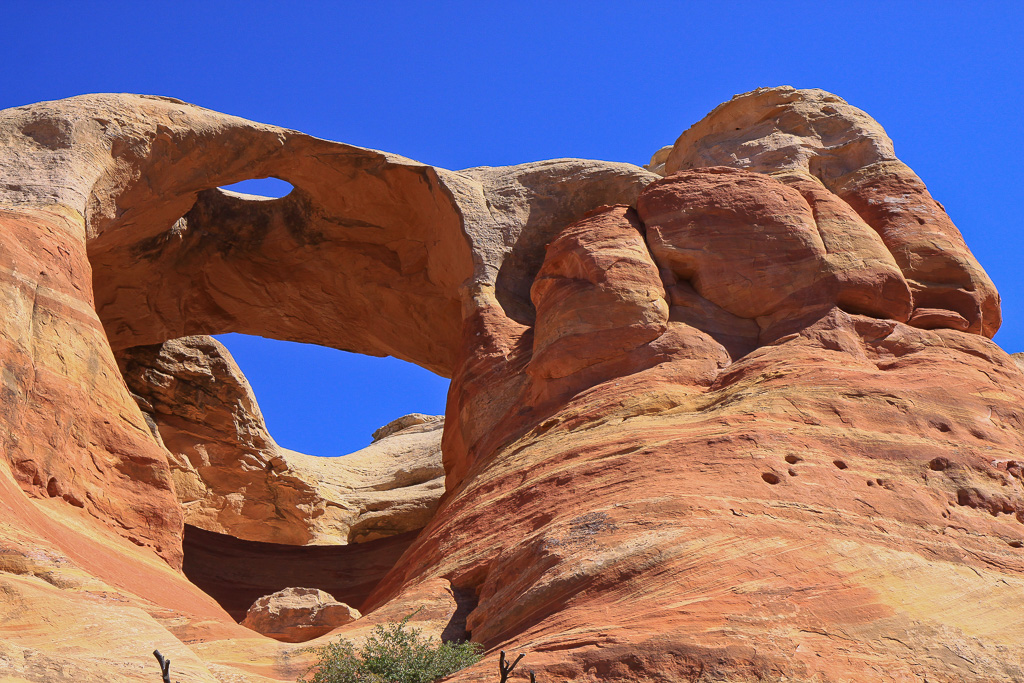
(165, 665)
(504, 668)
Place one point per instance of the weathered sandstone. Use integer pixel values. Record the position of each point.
(743, 422)
(405, 422)
(295, 615)
(770, 251)
(808, 135)
(231, 476)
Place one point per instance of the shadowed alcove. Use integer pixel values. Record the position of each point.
(236, 573)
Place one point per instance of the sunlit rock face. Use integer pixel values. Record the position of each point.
(736, 417)
(231, 477)
(816, 143)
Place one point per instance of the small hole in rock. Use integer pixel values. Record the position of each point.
(771, 478)
(261, 187)
(870, 483)
(73, 500)
(792, 472)
(938, 464)
(793, 459)
(840, 464)
(1016, 544)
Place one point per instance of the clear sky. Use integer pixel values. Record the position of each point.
(460, 84)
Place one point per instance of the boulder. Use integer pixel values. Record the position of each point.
(811, 135)
(598, 295)
(295, 615)
(770, 249)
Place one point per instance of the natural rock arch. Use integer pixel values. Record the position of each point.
(706, 465)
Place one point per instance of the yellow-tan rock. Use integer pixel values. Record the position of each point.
(295, 615)
(231, 477)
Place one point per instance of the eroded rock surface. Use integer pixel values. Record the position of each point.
(231, 477)
(295, 615)
(814, 141)
(741, 422)
(404, 422)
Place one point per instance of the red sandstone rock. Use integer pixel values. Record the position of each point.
(70, 430)
(598, 295)
(653, 472)
(815, 133)
(801, 466)
(810, 251)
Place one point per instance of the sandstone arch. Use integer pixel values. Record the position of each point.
(651, 472)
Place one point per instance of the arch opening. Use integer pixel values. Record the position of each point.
(364, 261)
(272, 188)
(325, 402)
(336, 266)
(260, 517)
(232, 477)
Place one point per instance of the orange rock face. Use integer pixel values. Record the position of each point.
(742, 423)
(814, 135)
(770, 251)
(69, 433)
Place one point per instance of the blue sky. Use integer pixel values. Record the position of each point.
(464, 84)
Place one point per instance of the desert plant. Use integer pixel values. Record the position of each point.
(393, 653)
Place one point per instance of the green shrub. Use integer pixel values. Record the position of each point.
(394, 653)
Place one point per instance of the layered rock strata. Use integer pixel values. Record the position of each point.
(231, 477)
(743, 422)
(820, 145)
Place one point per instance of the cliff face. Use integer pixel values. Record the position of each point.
(740, 422)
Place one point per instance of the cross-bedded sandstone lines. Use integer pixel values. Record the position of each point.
(734, 417)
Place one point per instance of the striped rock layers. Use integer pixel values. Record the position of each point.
(735, 417)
